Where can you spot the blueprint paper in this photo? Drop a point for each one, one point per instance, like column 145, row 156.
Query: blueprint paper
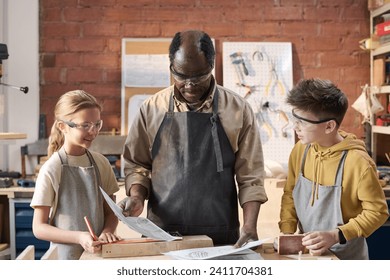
column 139, row 224
column 211, row 252
column 247, row 254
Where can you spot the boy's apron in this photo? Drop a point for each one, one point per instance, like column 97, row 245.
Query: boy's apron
column 193, row 188
column 78, row 196
column 325, row 214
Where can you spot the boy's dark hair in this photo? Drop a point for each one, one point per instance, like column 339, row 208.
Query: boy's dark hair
column 205, row 45
column 320, row 97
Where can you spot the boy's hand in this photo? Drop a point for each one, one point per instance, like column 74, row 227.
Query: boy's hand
column 318, row 242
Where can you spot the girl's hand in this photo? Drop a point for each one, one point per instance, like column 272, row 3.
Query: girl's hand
column 108, row 237
column 89, row 245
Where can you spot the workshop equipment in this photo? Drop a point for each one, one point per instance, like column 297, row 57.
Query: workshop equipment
column 6, row 182
column 24, row 89
column 10, row 174
column 265, row 124
column 4, row 55
column 282, row 115
column 128, row 248
column 239, row 66
column 26, row 183
column 273, row 79
column 250, row 89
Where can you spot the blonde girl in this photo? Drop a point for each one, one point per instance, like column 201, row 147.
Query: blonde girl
column 67, row 187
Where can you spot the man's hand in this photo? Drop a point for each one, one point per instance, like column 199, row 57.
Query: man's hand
column 318, row 242
column 249, row 229
column 247, row 234
column 132, row 206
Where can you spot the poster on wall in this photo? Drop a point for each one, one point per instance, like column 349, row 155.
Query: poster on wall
column 261, row 72
column 145, row 70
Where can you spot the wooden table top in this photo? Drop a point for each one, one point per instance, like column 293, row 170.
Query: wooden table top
column 14, row 192
column 265, row 250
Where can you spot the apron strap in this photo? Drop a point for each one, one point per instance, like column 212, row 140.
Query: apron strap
column 304, row 158
column 98, row 177
column 214, row 132
column 170, row 108
column 340, row 169
column 62, row 155
column 64, row 160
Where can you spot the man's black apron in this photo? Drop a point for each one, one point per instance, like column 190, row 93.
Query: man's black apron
column 193, row 188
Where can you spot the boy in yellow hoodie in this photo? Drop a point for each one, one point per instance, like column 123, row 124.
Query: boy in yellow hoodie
column 332, row 193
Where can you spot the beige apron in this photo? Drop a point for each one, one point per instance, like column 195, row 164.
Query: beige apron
column 78, row 196
column 325, row 213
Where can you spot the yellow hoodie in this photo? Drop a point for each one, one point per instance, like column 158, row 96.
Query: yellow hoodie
column 363, row 203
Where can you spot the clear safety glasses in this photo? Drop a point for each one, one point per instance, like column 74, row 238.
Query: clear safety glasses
column 189, row 80
column 86, row 126
column 303, row 122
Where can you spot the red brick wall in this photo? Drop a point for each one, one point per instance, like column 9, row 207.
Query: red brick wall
column 80, row 41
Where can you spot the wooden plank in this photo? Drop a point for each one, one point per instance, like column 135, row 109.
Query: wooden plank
column 130, row 249
column 3, row 246
column 12, row 135
column 51, row 253
column 27, row 254
column 291, row 244
column 265, row 250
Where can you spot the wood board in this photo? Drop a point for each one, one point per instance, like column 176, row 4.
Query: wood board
column 291, row 244
column 131, row 249
column 12, row 135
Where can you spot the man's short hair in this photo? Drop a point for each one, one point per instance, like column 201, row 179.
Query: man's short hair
column 205, row 45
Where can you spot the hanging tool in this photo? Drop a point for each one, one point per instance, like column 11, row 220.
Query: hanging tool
column 273, row 77
column 4, row 55
column 257, row 55
column 250, row 89
column 262, row 122
column 239, row 66
column 282, row 115
column 267, row 126
column 24, row 89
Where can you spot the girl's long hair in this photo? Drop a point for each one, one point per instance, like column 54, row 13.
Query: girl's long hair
column 68, row 104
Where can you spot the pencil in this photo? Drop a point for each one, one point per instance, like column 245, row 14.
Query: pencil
column 90, row 229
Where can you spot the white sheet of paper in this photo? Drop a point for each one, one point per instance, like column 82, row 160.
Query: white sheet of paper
column 247, row 254
column 139, row 224
column 211, row 252
column 146, row 70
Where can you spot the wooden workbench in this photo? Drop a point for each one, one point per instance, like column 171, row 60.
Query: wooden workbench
column 12, row 135
column 266, row 252
column 7, row 220
column 17, row 192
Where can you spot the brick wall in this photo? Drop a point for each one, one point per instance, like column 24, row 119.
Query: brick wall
column 80, row 41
